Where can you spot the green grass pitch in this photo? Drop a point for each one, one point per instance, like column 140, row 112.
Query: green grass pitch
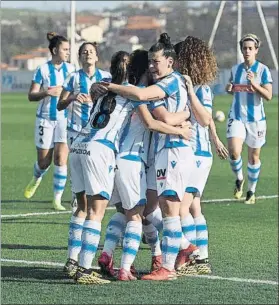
column 243, row 239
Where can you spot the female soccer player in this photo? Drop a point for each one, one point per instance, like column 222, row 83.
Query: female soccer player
column 197, row 60
column 130, row 179
column 250, row 83
column 76, row 96
column 173, row 154
column 50, row 128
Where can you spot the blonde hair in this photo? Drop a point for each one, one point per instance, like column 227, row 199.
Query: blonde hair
column 251, row 37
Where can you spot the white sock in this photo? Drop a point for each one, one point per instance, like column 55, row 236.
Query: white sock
column 38, row 172
column 202, row 236
column 59, row 180
column 184, row 242
column 115, row 230
column 236, row 166
column 74, row 241
column 253, row 176
column 90, row 240
column 131, row 242
column 189, row 228
column 156, row 219
column 152, row 238
column 171, row 241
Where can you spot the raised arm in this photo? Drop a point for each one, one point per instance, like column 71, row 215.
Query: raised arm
column 155, row 125
column 151, row 93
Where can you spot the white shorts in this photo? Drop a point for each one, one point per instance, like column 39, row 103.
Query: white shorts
column 130, row 181
column 252, row 133
column 49, row 132
column 151, row 177
column 199, row 175
column 173, row 169
column 92, row 167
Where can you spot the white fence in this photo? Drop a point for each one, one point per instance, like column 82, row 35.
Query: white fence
column 19, row 81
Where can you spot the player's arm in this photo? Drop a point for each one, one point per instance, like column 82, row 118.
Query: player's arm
column 229, row 86
column 36, row 93
column 151, row 93
column 221, row 150
column 170, row 118
column 155, row 125
column 202, row 116
column 66, row 98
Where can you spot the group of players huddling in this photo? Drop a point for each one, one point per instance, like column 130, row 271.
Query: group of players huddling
column 139, row 138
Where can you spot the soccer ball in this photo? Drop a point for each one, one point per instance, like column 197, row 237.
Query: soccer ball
column 220, row 116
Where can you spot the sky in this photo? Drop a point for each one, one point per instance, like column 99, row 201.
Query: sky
column 80, row 5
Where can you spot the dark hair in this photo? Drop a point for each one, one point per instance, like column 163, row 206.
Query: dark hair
column 119, row 67
column 138, row 66
column 94, row 44
column 164, row 43
column 55, row 40
column 196, row 59
column 250, row 37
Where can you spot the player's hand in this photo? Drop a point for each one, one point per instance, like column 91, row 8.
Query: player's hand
column 251, row 77
column 83, row 98
column 186, row 130
column 54, row 91
column 97, row 90
column 229, row 87
column 221, row 149
column 188, row 83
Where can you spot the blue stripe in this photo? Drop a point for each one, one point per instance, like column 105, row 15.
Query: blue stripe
column 84, row 90
column 202, row 242
column 235, row 162
column 57, row 176
column 201, row 227
column 105, row 195
column 265, row 77
column 89, row 247
column 116, row 224
column 198, row 142
column 250, row 107
column 98, row 75
column 253, row 170
column 133, row 236
column 75, row 226
column 169, row 249
column 192, row 241
column 74, row 243
column 169, row 193
column 207, row 105
column 91, row 231
column 110, row 145
column 203, row 153
column 253, row 179
column 199, row 95
column 132, row 158
column 141, row 202
column 130, row 251
column 53, row 99
column 38, row 77
column 112, row 237
column 188, row 228
column 237, row 94
column 58, row 187
column 172, row 234
column 190, row 189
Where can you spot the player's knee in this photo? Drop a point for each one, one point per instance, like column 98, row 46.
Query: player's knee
column 44, row 163
column 254, row 160
column 234, row 155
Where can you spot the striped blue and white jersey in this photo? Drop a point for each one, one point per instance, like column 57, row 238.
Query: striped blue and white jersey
column 248, row 107
column 47, row 76
column 200, row 136
column 134, row 139
column 176, row 100
column 109, row 135
column 80, row 82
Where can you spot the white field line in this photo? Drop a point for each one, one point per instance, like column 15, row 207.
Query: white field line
column 209, row 277
column 111, row 208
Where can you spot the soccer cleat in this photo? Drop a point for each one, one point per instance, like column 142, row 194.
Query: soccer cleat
column 161, row 274
column 124, row 275
column 238, row 191
column 203, row 266
column 250, row 198
column 88, row 276
column 188, row 268
column 57, row 205
column 133, row 270
column 71, row 267
column 105, row 262
column 32, row 187
column 156, row 262
column 186, row 255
